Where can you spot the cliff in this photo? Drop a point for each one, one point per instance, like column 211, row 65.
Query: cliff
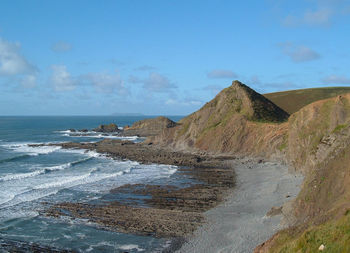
column 315, row 141
column 319, row 147
column 237, row 121
column 149, row 127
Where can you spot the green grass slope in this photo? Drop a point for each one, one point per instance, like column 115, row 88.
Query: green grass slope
column 293, row 100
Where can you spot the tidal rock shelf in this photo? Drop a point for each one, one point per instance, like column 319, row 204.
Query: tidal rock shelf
column 167, row 211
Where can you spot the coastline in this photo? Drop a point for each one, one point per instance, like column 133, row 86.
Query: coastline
column 236, row 221
column 167, row 211
column 240, row 223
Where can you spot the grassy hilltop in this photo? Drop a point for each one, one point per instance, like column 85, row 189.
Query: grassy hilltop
column 293, row 100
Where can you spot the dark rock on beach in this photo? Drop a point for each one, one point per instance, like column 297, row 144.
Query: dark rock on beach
column 168, row 211
column 7, row 245
column 110, row 128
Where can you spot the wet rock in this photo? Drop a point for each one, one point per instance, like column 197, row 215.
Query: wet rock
column 167, row 211
column 8, row 245
column 110, row 128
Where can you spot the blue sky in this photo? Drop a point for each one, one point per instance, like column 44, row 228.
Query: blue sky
column 163, row 56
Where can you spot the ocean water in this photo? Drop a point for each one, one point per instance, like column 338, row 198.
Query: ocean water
column 32, row 177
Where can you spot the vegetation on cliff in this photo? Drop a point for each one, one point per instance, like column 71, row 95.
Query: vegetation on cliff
column 149, row 127
column 293, row 100
column 319, row 146
column 314, row 140
column 237, row 120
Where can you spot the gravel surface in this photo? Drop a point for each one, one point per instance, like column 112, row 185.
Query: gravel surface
column 240, row 223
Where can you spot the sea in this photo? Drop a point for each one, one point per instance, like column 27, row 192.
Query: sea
column 31, row 178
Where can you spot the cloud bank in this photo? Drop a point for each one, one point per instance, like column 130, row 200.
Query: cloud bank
column 221, row 74
column 298, row 53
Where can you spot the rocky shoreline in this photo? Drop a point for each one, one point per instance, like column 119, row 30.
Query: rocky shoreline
column 7, row 245
column 165, row 211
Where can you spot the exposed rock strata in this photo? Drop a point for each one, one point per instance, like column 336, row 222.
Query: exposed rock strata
column 237, row 121
column 149, row 127
column 110, row 128
column 318, row 146
column 170, row 211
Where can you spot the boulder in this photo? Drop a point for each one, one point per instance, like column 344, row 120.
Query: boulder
column 110, row 128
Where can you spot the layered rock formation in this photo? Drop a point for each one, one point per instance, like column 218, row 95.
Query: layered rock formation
column 238, row 120
column 314, row 141
column 318, row 146
column 149, row 127
column 110, row 128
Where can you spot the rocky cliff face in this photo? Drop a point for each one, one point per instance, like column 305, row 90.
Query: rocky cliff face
column 238, row 120
column 315, row 141
column 319, row 147
column 314, row 131
column 149, row 127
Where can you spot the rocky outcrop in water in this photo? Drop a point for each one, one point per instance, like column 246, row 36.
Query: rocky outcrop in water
column 110, row 128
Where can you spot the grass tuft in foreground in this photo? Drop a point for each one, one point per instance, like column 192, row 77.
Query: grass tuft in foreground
column 334, row 235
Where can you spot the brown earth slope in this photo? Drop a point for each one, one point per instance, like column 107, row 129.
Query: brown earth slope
column 319, row 146
column 149, row 127
column 238, row 120
column 314, row 141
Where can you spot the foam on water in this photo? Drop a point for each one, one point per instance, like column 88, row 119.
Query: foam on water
column 31, row 150
column 64, row 181
column 34, row 177
column 18, row 176
column 100, row 136
column 28, row 196
column 131, row 247
column 97, row 135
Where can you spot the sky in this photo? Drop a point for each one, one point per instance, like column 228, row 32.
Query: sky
column 163, row 57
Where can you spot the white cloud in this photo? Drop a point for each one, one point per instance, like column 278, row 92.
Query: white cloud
column 221, row 74
column 255, row 80
column 61, row 79
column 107, row 83
column 155, row 82
column 335, row 79
column 319, row 17
column 185, row 102
column 321, row 13
column 299, row 53
column 12, row 62
column 214, row 89
column 134, row 79
column 29, row 81
column 144, row 68
column 61, row 47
